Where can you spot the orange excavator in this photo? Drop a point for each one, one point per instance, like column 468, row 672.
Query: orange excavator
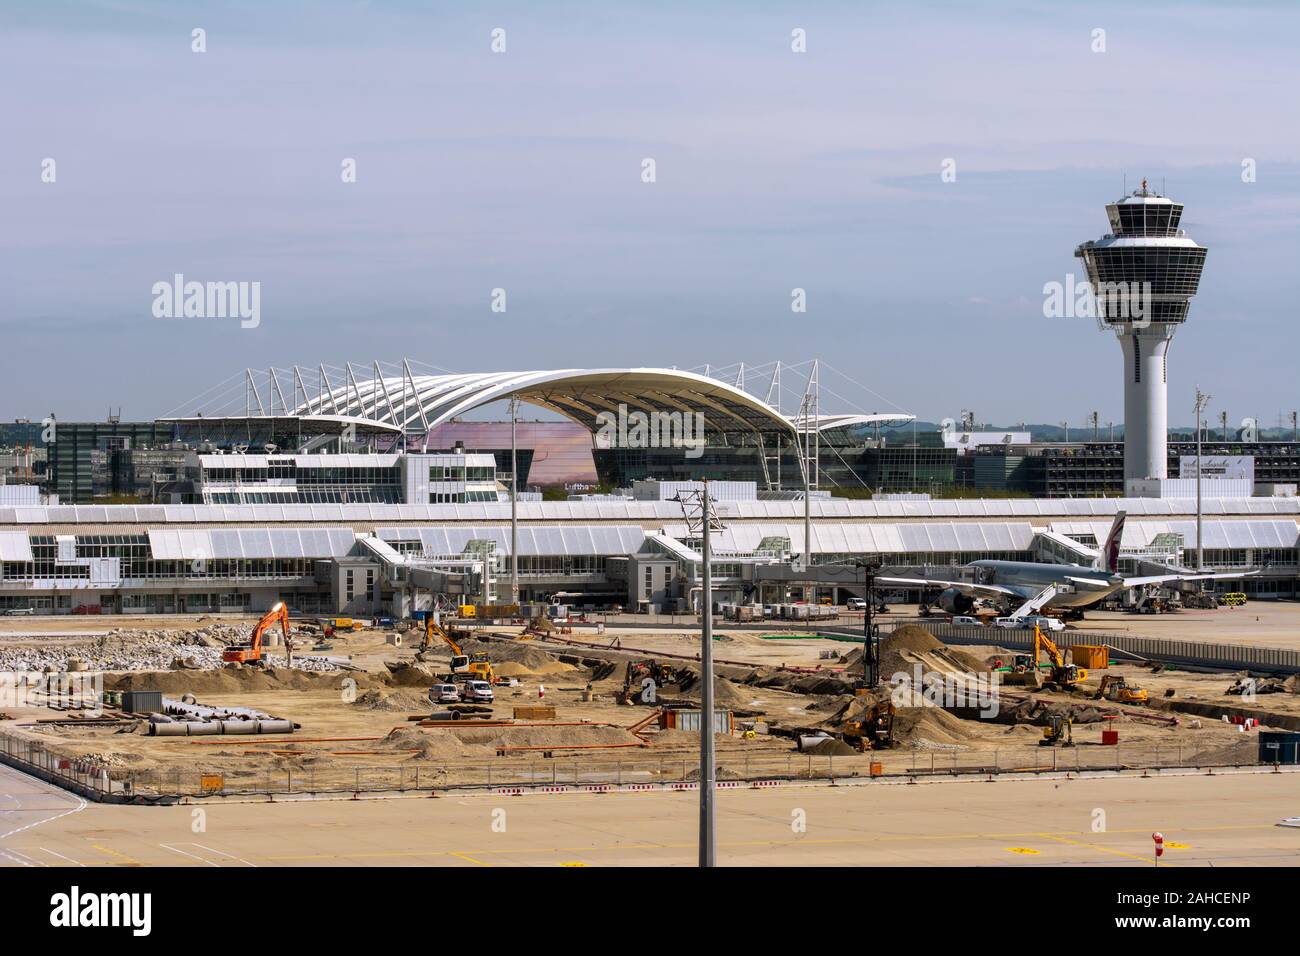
column 251, row 653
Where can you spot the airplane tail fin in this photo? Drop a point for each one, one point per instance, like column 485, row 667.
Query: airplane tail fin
column 1109, row 557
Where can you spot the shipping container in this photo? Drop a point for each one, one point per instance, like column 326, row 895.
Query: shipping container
column 689, row 720
column 142, row 701
column 1090, row 656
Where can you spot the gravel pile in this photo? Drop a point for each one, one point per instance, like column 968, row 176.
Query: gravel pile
column 159, row 650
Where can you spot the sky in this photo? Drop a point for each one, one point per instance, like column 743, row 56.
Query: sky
column 522, row 170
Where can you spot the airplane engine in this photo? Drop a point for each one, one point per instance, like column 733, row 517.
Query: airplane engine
column 954, row 602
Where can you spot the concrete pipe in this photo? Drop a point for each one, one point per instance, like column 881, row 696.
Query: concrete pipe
column 168, row 730
column 239, row 726
column 203, row 728
column 275, row 726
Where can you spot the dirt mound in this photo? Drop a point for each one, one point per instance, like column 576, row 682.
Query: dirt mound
column 725, row 693
column 227, row 681
column 910, row 637
column 427, row 745
column 406, row 702
column 830, row 747
column 930, row 725
column 547, row 668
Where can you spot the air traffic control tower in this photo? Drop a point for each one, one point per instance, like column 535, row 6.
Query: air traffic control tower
column 1143, row 275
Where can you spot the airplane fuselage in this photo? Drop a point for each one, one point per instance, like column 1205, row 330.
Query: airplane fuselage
column 1028, row 578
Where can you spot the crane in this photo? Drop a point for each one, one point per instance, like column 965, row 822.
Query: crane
column 477, row 667
column 251, row 653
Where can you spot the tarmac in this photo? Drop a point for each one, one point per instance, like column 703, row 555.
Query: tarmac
column 1224, row 819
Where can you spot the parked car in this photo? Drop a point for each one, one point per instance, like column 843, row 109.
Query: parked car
column 966, row 620
column 477, row 692
column 19, row 611
column 444, row 694
column 1028, row 621
column 856, row 604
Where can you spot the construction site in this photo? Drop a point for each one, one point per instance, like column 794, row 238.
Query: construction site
column 167, row 711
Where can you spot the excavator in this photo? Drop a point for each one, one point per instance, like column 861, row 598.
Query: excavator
column 251, row 653
column 1061, row 675
column 463, row 666
column 1116, row 688
column 1058, row 732
column 873, row 729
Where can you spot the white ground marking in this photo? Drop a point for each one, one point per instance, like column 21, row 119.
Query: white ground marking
column 192, row 856
column 223, row 853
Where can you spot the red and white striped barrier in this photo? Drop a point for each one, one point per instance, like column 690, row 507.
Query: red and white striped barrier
column 684, row 786
column 510, row 791
column 553, row 789
column 767, row 783
column 640, row 786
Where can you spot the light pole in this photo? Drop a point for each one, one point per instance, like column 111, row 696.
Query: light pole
column 514, row 504
column 1201, row 401
column 707, row 852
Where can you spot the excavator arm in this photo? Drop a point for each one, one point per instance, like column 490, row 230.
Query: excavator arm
column 432, row 627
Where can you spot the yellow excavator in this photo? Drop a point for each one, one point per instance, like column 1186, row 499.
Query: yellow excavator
column 873, row 729
column 251, row 653
column 1058, row 732
column 463, row 666
column 1116, row 688
column 1061, row 675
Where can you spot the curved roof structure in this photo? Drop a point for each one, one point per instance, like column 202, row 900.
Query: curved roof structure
column 424, row 401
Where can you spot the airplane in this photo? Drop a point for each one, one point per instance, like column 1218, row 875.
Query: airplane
column 1026, row 587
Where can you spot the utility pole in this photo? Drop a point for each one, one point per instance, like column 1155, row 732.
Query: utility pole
column 1096, row 423
column 870, row 649
column 1201, row 401
column 708, row 856
column 514, row 503
column 1066, row 426
column 1223, row 420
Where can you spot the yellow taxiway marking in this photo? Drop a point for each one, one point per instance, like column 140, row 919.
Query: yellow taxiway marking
column 1100, row 849
column 466, row 857
column 130, row 861
column 1179, row 846
column 1023, row 849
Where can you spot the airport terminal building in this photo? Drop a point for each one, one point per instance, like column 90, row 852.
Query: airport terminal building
column 346, row 508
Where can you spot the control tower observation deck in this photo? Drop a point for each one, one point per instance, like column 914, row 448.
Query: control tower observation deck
column 1144, row 273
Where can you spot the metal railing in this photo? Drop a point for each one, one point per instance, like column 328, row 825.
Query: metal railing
column 564, row 771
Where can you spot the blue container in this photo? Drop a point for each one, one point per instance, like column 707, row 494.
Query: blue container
column 1279, row 746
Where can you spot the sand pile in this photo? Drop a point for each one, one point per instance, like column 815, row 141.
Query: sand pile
column 230, row 680
column 725, row 693
column 922, row 726
column 402, row 701
column 429, row 745
column 519, row 669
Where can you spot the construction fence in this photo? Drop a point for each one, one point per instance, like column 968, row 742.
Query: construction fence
column 564, row 772
column 1230, row 657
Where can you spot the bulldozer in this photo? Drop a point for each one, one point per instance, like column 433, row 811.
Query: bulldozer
column 251, row 653
column 1119, row 690
column 1058, row 732
column 873, row 729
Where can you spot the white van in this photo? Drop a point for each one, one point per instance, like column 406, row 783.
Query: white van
column 1028, row 622
column 444, row 694
column 477, row 692
column 966, row 620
